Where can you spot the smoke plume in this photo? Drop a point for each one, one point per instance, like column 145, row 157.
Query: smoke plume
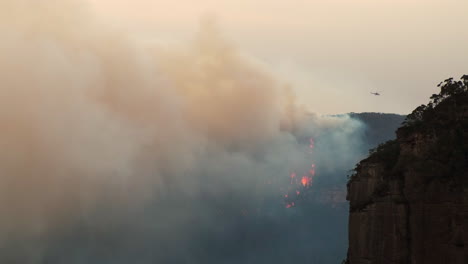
column 116, row 149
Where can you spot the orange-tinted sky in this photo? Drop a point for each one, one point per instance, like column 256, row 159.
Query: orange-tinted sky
column 334, row 52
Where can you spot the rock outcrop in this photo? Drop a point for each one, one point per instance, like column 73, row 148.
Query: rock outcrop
column 409, row 198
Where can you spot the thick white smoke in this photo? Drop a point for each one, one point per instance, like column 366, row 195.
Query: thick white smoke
column 97, row 124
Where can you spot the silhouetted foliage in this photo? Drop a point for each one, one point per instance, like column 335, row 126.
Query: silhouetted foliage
column 387, row 151
column 444, row 122
column 450, row 92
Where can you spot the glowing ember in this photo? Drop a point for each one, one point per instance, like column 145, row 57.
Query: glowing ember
column 293, row 175
column 312, row 171
column 311, row 143
column 306, row 181
column 296, row 182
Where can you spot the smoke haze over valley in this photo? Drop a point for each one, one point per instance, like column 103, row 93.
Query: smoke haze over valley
column 116, row 148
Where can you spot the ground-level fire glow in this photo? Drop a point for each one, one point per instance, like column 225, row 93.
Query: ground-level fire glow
column 312, row 170
column 303, row 182
column 306, row 181
column 311, row 144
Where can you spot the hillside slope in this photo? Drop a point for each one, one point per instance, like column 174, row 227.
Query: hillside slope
column 380, row 127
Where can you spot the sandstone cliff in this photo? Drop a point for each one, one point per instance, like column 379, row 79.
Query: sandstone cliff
column 409, row 198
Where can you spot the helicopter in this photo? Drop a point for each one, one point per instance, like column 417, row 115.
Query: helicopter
column 376, row 93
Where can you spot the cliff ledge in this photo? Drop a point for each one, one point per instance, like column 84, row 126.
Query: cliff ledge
column 409, row 198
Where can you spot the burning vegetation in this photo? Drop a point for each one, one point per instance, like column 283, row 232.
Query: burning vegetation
column 300, row 185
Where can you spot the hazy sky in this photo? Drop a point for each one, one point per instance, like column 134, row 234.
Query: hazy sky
column 333, row 52
column 111, row 144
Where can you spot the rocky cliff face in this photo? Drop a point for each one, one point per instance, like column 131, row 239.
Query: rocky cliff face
column 409, row 199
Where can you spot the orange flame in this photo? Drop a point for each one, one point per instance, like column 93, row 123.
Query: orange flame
column 306, row 181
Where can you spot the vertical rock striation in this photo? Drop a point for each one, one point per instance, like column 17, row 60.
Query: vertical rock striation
column 409, row 198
